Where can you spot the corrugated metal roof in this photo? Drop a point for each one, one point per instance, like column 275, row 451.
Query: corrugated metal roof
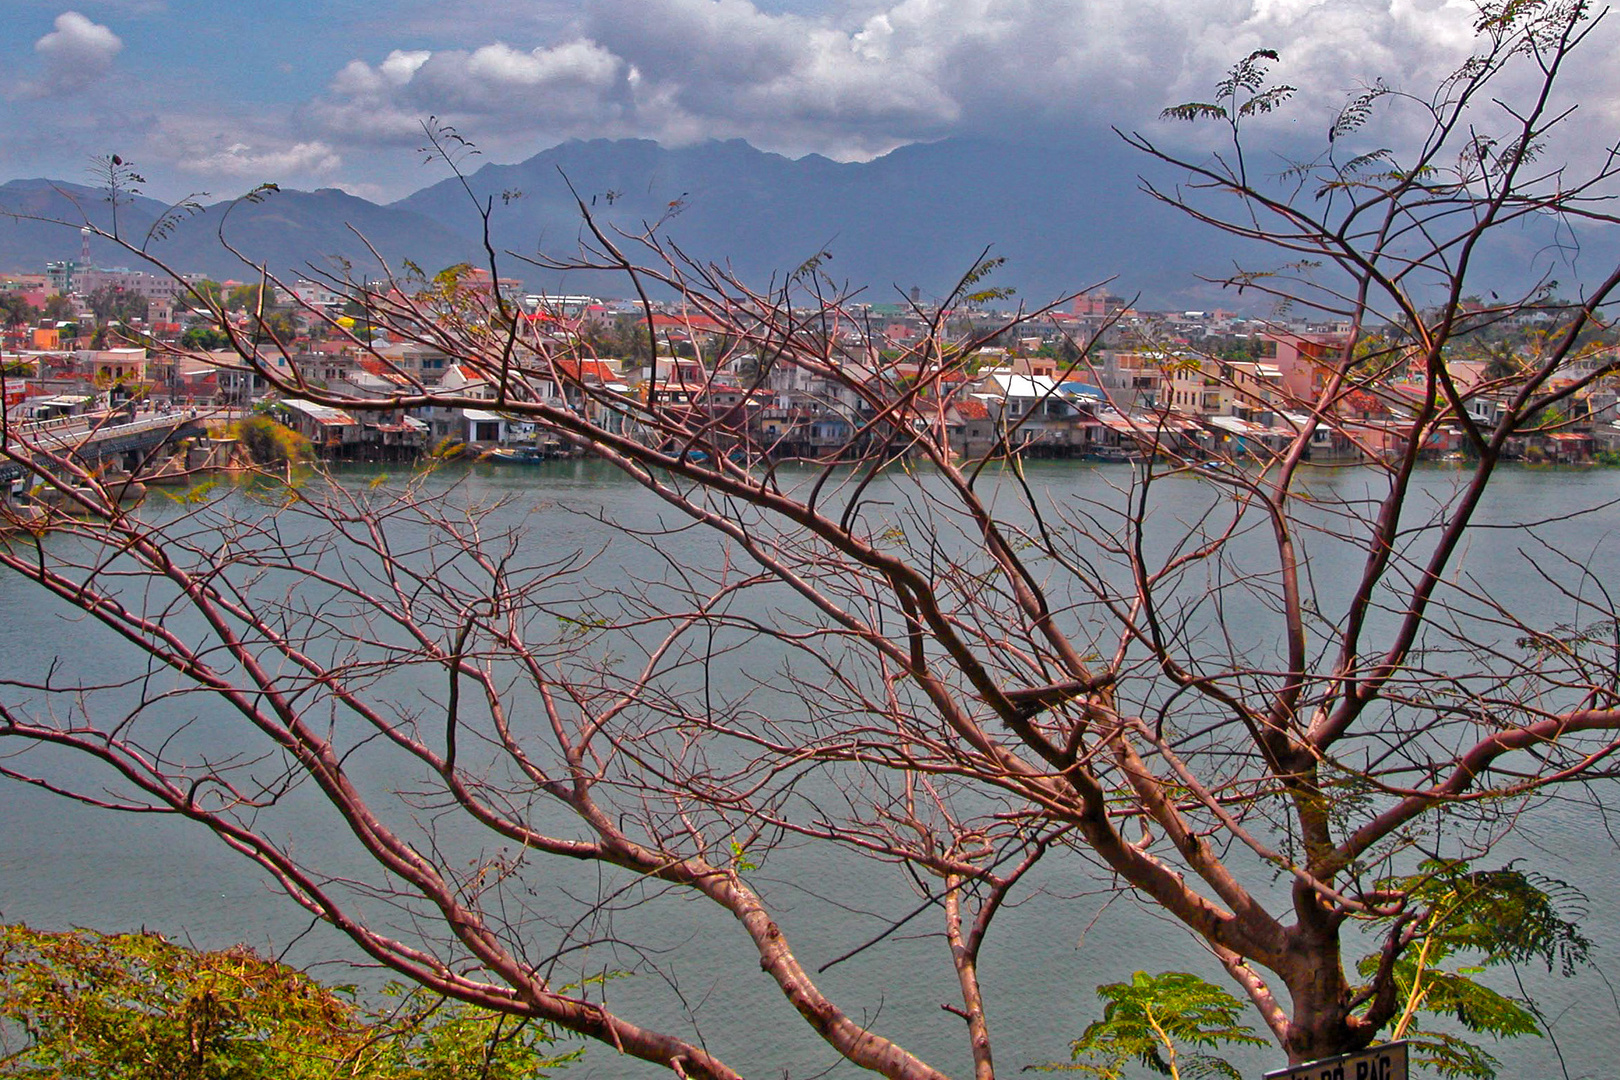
column 321, row 414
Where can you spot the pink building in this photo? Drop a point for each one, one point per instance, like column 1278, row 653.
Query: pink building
column 1305, row 363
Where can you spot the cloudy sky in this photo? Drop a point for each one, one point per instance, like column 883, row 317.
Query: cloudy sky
column 217, row 97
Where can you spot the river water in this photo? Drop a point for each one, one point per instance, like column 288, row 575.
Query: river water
column 64, row 865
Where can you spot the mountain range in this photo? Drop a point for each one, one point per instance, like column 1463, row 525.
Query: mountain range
column 1065, row 217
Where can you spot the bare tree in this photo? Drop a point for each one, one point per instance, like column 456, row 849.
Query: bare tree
column 966, row 680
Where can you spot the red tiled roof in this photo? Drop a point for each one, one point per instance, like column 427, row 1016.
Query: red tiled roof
column 586, row 370
column 1365, row 403
column 700, row 323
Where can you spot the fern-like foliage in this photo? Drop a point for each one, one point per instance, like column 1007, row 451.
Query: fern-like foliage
column 1528, row 26
column 171, row 218
column 1165, row 1023
column 1450, row 1056
column 261, row 193
column 1266, row 101
column 445, row 143
column 1506, row 916
column 982, row 270
column 1242, row 94
column 811, row 267
column 1248, row 74
column 1357, row 111
column 1194, row 110
column 1471, row 920
column 119, row 183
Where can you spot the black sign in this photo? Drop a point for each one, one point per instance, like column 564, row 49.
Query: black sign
column 1387, row 1062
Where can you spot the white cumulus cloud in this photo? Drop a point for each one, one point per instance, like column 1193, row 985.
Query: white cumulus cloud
column 850, row 79
column 575, row 83
column 241, row 160
column 582, row 62
column 73, row 56
column 359, row 78
column 859, row 77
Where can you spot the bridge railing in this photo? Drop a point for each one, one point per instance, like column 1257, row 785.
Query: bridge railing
column 66, row 431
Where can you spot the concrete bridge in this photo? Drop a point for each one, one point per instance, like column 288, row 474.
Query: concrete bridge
column 93, row 440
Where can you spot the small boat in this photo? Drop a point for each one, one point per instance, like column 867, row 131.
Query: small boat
column 516, row 455
column 1116, row 454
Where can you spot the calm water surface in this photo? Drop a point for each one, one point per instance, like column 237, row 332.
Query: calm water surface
column 62, row 865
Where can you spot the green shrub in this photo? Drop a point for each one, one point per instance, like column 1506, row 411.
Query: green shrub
column 270, row 443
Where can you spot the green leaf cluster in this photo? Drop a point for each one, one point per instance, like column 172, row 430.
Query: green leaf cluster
column 1151, row 1020
column 1471, row 920
column 982, row 270
column 206, row 338
column 1458, row 922
column 270, row 443
column 15, row 311
column 137, row 1007
column 1242, row 94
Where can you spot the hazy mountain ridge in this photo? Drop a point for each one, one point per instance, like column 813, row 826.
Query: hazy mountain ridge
column 1065, row 216
column 288, row 231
